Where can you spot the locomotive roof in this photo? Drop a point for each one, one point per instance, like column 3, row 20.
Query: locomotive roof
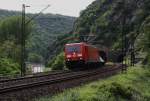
column 77, row 43
column 81, row 43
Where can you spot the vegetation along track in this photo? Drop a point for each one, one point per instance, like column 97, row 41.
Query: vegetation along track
column 54, row 83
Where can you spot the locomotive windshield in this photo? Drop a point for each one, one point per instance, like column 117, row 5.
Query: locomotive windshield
column 71, row 49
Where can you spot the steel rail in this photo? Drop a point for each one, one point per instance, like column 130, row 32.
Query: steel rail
column 34, row 75
column 60, row 78
column 23, row 80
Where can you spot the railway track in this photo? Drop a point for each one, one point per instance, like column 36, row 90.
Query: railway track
column 56, row 81
column 29, row 79
column 8, row 77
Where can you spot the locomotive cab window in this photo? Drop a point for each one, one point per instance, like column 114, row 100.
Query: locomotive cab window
column 74, row 48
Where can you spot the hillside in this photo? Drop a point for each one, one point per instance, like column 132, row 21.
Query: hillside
column 107, row 19
column 46, row 30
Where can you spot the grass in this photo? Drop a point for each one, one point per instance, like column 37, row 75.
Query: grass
column 133, row 86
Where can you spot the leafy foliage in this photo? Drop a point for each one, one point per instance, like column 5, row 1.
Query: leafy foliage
column 9, row 49
column 58, row 63
column 46, row 30
column 144, row 39
column 8, row 66
column 104, row 18
column 10, row 42
column 35, row 58
column 10, row 29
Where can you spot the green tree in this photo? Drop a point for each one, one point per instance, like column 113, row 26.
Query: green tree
column 10, row 42
column 35, row 58
column 10, row 50
column 8, row 66
column 58, row 63
column 145, row 38
column 10, row 29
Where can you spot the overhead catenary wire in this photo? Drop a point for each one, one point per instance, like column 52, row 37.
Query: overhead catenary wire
column 37, row 14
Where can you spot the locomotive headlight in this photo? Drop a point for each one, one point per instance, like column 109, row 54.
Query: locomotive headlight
column 79, row 55
column 68, row 59
column 80, row 58
column 68, row 56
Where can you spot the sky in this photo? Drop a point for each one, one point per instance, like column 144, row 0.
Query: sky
column 64, row 7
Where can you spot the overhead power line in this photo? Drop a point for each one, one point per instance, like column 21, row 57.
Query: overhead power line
column 38, row 14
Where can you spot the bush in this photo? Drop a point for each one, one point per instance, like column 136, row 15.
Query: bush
column 7, row 66
column 36, row 58
column 121, row 91
column 50, row 62
column 58, row 63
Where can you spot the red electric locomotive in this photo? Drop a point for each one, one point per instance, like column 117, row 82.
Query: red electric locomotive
column 82, row 55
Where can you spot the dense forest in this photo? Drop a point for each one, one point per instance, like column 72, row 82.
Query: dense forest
column 41, row 33
column 105, row 17
column 109, row 19
column 47, row 27
column 10, row 42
